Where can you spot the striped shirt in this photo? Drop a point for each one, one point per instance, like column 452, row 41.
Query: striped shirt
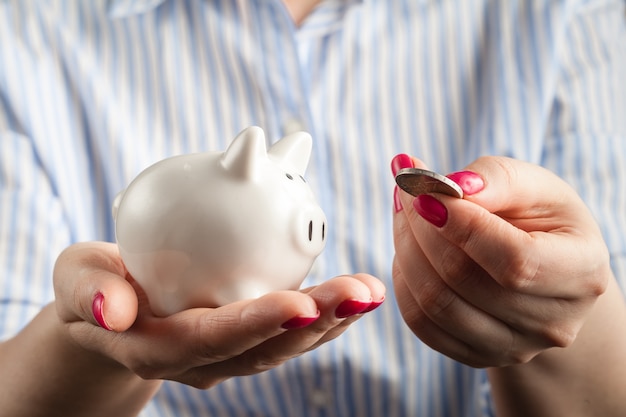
column 94, row 91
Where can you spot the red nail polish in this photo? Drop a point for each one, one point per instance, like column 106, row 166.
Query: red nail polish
column 431, row 209
column 374, row 305
column 351, row 307
column 401, row 161
column 97, row 308
column 397, row 204
column 299, row 322
column 470, row 182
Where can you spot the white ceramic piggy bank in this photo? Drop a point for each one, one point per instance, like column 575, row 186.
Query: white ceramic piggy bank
column 207, row 229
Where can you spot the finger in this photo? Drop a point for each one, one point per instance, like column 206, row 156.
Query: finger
column 428, row 331
column 218, row 334
column 532, row 262
column 339, row 300
column 402, row 161
column 351, row 299
column 443, row 319
column 560, row 228
column 347, row 285
column 531, row 315
column 331, row 302
column 167, row 348
column 522, row 192
column 331, row 298
column 90, row 286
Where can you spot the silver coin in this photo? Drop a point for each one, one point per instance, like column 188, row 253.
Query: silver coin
column 417, row 181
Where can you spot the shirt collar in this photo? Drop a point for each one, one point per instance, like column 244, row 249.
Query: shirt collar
column 125, row 8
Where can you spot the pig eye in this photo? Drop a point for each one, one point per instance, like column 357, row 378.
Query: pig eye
column 302, row 178
column 289, row 176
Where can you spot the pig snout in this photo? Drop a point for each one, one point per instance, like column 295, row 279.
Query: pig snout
column 311, row 231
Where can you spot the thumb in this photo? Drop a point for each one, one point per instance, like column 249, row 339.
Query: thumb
column 90, row 285
column 526, row 195
column 539, row 230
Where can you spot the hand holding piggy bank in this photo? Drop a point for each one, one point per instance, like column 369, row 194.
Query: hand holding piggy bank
column 207, row 229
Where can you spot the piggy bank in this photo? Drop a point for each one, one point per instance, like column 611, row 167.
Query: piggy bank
column 207, row 229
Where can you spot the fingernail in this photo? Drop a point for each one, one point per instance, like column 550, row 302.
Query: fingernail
column 299, row 322
column 431, row 209
column 469, row 181
column 397, row 204
column 401, row 161
column 351, row 307
column 97, row 308
column 374, row 305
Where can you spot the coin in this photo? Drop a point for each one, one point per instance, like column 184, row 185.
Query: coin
column 417, row 181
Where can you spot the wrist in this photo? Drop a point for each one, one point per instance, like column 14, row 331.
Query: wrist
column 572, row 380
column 46, row 362
column 110, row 387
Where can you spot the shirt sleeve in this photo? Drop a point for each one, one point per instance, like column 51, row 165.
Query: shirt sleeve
column 586, row 131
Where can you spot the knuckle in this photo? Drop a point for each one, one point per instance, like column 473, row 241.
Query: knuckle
column 415, row 318
column 560, row 336
column 597, row 287
column 519, row 351
column 519, row 357
column 211, row 348
column 202, row 383
column 436, row 299
column 504, row 165
column 453, row 264
column 473, row 358
column 146, row 372
column 519, row 270
column 469, row 237
column 458, row 268
column 599, row 276
column 198, row 378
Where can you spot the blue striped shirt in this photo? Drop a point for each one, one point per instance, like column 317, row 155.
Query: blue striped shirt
column 94, row 91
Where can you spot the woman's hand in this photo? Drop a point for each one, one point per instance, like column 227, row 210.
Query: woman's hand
column 198, row 347
column 509, row 271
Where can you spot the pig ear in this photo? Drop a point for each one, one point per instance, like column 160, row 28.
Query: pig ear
column 293, row 149
column 246, row 152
